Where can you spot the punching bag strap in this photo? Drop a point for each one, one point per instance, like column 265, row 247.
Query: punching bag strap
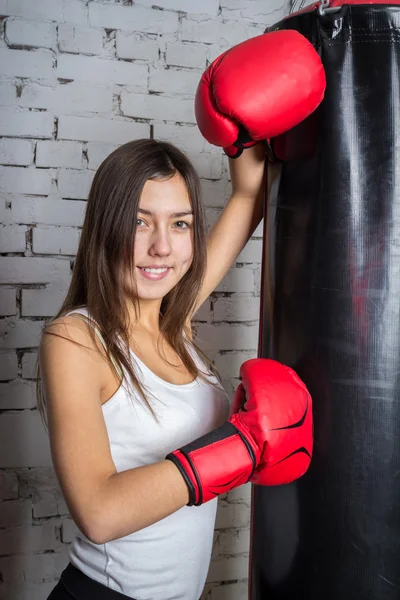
column 323, row 8
column 293, row 6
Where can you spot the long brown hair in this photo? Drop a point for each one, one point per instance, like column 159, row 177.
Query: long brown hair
column 106, row 254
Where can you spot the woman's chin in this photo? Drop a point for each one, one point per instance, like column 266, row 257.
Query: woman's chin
column 159, row 294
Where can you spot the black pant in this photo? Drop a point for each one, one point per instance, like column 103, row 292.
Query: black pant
column 75, row 585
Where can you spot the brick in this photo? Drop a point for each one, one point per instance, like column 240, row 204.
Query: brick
column 100, row 130
column 52, row 211
column 236, row 308
column 15, row 513
column 41, row 484
column 240, row 494
column 8, row 486
column 20, row 334
column 12, row 238
column 174, row 81
column 208, row 31
column 59, row 154
column 73, row 11
column 206, row 7
column 45, row 302
column 186, row 55
column 259, row 232
column 229, row 386
column 62, row 508
column 25, row 63
column 5, row 208
column 18, row 568
column 29, row 364
column 45, row 506
column 68, row 531
column 232, row 516
column 17, row 394
column 8, row 302
column 233, row 542
column 74, row 184
column 26, row 124
column 16, row 269
column 36, row 34
column 157, row 107
column 251, row 253
column 11, row 569
column 237, row 280
column 8, row 93
column 203, row 313
column 46, row 566
column 228, row 364
column 16, row 152
column 39, row 480
column 8, row 365
column 55, row 240
column 133, row 18
column 216, row 193
column 67, row 98
column 70, row 11
column 80, row 40
column 25, row 590
column 136, row 46
column 25, row 445
column 228, row 569
column 233, row 591
column 40, row 9
column 99, row 70
column 228, row 337
column 17, row 540
column 257, row 11
column 207, row 165
column 24, row 180
column 96, row 153
column 187, row 137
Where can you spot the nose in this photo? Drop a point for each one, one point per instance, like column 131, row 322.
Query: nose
column 160, row 244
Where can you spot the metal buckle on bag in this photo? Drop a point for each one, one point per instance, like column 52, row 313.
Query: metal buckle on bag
column 323, row 8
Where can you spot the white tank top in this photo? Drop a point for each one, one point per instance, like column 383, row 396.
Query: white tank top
column 170, row 559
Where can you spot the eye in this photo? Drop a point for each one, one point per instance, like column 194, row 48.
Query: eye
column 138, row 222
column 182, row 225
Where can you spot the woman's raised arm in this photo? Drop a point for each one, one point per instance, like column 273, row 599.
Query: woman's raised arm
column 240, row 217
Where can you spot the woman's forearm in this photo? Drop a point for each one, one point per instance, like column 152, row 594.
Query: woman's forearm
column 248, row 173
column 131, row 500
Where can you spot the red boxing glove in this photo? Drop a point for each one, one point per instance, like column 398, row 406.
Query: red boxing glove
column 258, row 90
column 247, row 447
column 287, row 422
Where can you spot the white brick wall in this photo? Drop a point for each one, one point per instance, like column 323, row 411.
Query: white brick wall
column 77, row 79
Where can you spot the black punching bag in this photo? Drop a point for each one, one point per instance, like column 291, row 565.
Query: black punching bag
column 331, row 310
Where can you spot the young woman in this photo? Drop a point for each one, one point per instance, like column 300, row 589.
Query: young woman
column 123, row 383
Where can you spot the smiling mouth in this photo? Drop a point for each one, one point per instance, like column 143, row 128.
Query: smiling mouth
column 156, row 271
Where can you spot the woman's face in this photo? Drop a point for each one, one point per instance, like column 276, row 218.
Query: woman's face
column 164, row 237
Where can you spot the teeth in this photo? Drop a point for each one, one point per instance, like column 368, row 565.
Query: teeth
column 154, row 270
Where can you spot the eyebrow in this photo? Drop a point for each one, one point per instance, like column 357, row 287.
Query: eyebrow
column 174, row 215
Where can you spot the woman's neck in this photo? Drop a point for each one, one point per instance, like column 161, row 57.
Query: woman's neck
column 146, row 319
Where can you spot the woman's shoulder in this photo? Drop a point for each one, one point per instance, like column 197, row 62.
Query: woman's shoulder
column 72, row 332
